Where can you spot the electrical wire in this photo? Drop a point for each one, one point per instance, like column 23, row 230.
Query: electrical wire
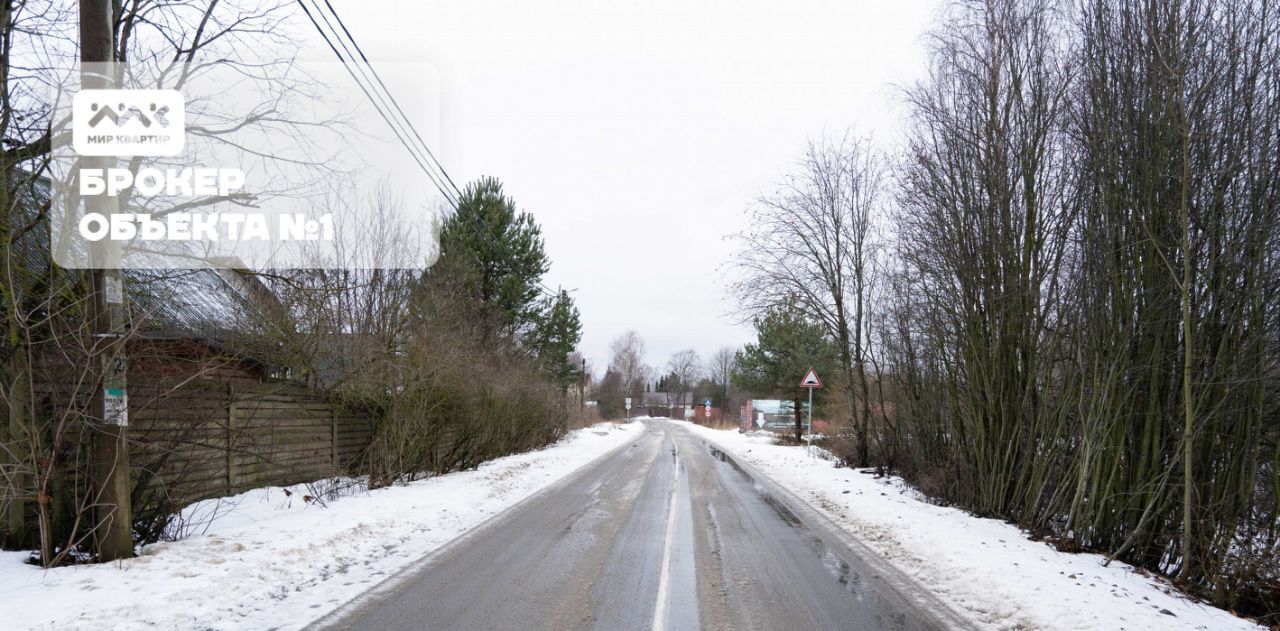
column 388, row 108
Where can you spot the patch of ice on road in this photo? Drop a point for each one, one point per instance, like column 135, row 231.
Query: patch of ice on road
column 271, row 560
column 984, row 567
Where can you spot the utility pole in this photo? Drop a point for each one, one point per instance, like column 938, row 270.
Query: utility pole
column 108, row 409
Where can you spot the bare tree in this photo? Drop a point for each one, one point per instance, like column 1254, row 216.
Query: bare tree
column 1179, row 175
column 1080, row 327
column 683, row 372
column 812, row 247
column 720, row 368
column 984, row 223
column 628, row 363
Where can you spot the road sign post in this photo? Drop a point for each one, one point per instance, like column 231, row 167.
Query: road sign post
column 808, row 437
column 810, row 382
column 628, row 402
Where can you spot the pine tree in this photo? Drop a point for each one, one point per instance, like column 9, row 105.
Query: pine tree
column 555, row 335
column 496, row 254
column 787, row 345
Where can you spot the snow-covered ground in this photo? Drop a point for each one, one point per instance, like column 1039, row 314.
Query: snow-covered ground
column 273, row 561
column 985, row 568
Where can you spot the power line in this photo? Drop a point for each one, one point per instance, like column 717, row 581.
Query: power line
column 378, row 77
column 400, row 125
column 481, row 230
column 378, row 103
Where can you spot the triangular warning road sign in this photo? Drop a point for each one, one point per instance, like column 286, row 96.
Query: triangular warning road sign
column 811, row 380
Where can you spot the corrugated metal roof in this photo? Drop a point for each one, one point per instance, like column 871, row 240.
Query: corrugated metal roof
column 170, row 302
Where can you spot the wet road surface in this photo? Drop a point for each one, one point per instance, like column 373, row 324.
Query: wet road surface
column 664, row 533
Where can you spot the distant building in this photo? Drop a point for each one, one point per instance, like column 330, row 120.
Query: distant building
column 773, row 415
column 663, row 404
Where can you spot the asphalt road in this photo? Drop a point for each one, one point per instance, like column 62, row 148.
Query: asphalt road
column 663, row 533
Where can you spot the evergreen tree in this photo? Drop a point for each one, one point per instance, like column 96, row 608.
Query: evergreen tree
column 555, row 334
column 787, row 345
column 496, row 254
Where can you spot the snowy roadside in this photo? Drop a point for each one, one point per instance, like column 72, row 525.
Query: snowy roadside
column 985, row 568
column 272, row 561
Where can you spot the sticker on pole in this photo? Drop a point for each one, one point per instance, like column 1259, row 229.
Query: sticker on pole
column 115, row 406
column 811, row 380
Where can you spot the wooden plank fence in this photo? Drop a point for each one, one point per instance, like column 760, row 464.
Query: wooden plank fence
column 228, row 438
column 203, row 439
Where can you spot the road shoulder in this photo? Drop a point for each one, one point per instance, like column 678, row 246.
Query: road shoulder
column 986, row 571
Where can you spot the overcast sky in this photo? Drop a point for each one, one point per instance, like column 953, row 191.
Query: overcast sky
column 639, row 133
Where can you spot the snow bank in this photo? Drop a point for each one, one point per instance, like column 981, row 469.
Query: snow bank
column 984, row 567
column 273, row 561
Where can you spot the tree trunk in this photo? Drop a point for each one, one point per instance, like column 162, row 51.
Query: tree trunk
column 846, row 366
column 864, row 458
column 1188, row 408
